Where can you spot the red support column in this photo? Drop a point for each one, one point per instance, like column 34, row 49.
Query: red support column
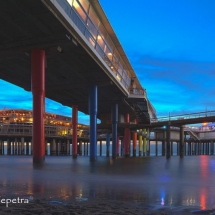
column 74, row 132
column 38, row 91
column 127, row 118
column 127, row 137
column 134, row 143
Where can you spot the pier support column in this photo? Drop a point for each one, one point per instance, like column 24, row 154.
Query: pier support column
column 193, row 148
column 148, row 143
column 144, row 142
column 8, row 147
column 46, row 147
column 11, row 148
column 127, row 137
column 100, row 148
column 163, row 144
column 117, row 147
column 171, row 148
column 181, row 144
column 53, row 147
column 134, row 143
column 0, row 147
column 122, row 146
column 203, row 148
column 67, row 147
column 168, row 148
column 163, row 147
column 74, row 131
column 177, row 148
column 38, row 91
column 156, row 144
column 93, row 103
column 20, row 148
column 140, row 143
column 57, row 147
column 114, row 119
column 22, row 145
column 107, row 144
column 80, row 147
column 212, row 147
column 14, row 146
column 208, row 148
column 27, row 148
column 199, row 148
column 84, row 148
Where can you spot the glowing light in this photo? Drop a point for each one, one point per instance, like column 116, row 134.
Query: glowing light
column 203, row 198
column 204, row 123
column 75, row 4
column 109, row 54
column 162, row 201
column 70, row 2
column 118, row 77
column 99, row 37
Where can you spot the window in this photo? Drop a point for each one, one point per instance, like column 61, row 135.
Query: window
column 92, row 28
column 94, row 17
column 79, row 10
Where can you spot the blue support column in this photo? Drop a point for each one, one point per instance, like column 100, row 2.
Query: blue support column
column 93, row 120
column 108, row 145
column 114, row 119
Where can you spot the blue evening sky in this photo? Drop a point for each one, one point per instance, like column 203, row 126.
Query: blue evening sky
column 171, row 46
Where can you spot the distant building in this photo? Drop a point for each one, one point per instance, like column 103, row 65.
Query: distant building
column 16, row 132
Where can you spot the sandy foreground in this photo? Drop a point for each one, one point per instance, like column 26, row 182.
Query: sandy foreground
column 43, row 207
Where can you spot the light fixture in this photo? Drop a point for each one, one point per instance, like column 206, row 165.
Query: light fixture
column 75, row 42
column 60, row 49
column 68, row 37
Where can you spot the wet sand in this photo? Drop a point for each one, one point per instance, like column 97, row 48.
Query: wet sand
column 94, row 207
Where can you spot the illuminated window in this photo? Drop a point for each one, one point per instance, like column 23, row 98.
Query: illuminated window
column 118, row 77
column 70, row 2
column 115, row 62
column 92, row 28
column 94, row 17
column 100, row 41
column 85, row 4
column 80, row 10
column 103, row 32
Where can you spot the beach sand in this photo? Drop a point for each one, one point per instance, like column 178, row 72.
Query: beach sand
column 95, row 207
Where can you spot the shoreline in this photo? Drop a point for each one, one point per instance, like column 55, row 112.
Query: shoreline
column 95, row 207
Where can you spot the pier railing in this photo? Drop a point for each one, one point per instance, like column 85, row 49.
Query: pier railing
column 185, row 116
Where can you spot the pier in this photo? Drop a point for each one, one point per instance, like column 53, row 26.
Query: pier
column 67, row 51
column 16, row 136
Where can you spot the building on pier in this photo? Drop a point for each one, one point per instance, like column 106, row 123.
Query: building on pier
column 16, row 132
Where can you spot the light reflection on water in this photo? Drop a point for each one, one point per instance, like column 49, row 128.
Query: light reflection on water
column 153, row 181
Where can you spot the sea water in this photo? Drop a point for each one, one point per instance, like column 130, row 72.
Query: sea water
column 152, row 181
